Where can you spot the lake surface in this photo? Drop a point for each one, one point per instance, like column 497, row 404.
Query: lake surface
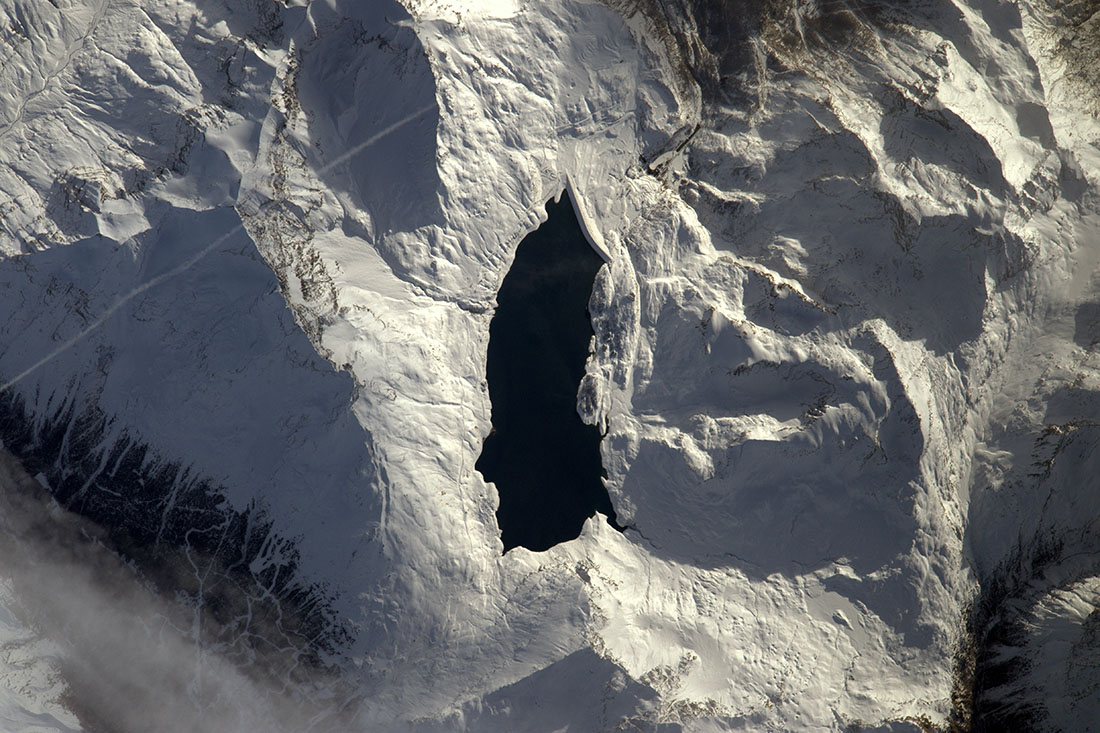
column 544, row 461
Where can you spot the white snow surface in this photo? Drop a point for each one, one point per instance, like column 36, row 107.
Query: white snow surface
column 829, row 339
column 31, row 685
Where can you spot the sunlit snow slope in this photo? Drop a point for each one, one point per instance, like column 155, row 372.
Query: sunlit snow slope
column 846, row 358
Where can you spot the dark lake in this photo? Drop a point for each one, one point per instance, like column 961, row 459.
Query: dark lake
column 544, row 461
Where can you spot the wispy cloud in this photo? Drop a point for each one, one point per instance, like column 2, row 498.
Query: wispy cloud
column 134, row 660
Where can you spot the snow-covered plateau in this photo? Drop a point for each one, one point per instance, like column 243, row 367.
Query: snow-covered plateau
column 846, row 364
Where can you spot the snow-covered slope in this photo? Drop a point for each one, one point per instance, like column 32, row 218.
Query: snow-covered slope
column 845, row 347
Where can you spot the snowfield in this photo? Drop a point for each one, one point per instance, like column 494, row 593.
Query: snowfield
column 846, row 355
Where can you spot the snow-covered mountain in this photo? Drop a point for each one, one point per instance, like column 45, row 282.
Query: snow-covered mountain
column 846, row 362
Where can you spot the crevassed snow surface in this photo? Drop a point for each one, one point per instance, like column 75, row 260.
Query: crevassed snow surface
column 845, row 354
